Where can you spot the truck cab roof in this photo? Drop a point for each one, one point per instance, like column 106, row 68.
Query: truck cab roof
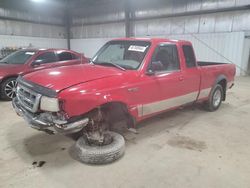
column 152, row 40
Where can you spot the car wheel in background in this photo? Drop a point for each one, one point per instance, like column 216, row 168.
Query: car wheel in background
column 8, row 89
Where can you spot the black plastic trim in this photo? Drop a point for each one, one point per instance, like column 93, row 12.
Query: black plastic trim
column 37, row 88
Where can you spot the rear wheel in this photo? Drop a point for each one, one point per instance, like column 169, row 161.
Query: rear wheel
column 215, row 98
column 8, row 89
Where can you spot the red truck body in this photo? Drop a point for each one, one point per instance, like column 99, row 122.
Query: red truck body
column 82, row 88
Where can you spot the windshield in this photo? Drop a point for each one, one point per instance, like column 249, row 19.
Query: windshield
column 125, row 54
column 18, row 57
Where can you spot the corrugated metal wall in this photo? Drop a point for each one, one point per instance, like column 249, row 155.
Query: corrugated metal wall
column 20, row 29
column 219, row 23
column 207, row 23
column 88, row 46
column 50, row 26
column 17, row 28
column 38, row 42
column 100, row 30
column 165, row 17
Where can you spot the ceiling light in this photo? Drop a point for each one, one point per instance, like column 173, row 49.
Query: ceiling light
column 38, row 1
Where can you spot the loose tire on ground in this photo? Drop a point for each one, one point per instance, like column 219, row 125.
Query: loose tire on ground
column 7, row 83
column 99, row 154
column 211, row 105
column 75, row 136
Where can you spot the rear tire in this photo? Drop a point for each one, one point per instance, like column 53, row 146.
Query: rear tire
column 8, row 89
column 215, row 98
column 93, row 154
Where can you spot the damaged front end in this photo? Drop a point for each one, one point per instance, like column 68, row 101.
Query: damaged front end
column 48, row 122
column 39, row 107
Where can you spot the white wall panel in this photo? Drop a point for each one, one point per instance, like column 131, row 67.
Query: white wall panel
column 100, row 30
column 141, row 28
column 180, row 6
column 223, row 22
column 178, row 25
column 100, row 18
column 242, row 2
column 246, row 55
column 88, row 46
column 20, row 41
column 209, row 4
column 236, row 21
column 16, row 28
column 229, row 45
column 226, row 3
column 241, row 21
column 207, row 23
column 158, row 27
column 192, row 24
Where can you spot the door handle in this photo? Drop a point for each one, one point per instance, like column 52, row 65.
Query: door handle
column 181, row 78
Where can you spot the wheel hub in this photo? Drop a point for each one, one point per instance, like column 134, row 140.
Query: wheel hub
column 99, row 139
column 217, row 98
column 10, row 89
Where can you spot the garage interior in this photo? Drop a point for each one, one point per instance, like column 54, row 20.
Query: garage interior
column 187, row 147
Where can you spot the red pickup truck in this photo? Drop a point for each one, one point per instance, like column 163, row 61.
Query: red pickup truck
column 30, row 60
column 127, row 80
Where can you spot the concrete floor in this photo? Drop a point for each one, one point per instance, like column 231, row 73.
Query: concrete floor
column 183, row 148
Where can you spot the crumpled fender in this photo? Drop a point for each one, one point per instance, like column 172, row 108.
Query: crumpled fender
column 80, row 99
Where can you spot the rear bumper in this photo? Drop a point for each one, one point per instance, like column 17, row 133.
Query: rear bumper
column 52, row 126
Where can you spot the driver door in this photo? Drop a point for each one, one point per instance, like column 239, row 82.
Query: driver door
column 163, row 88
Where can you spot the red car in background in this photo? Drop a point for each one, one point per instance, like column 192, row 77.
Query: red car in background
column 30, row 60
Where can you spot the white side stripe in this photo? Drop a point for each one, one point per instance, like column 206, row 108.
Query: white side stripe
column 158, row 106
column 204, row 93
column 168, row 103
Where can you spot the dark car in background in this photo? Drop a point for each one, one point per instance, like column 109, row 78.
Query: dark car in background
column 30, row 60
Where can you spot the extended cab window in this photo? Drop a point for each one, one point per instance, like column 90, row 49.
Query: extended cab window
column 64, row 56
column 47, row 57
column 189, row 56
column 165, row 58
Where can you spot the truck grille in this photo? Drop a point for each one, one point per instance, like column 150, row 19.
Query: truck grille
column 28, row 99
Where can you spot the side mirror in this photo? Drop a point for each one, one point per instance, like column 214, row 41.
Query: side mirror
column 154, row 67
column 36, row 63
column 157, row 66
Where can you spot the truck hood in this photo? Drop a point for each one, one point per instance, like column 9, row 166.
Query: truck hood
column 61, row 78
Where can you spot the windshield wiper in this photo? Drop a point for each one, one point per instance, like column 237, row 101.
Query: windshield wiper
column 108, row 63
column 4, row 62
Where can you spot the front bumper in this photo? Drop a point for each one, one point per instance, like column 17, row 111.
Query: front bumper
column 49, row 125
